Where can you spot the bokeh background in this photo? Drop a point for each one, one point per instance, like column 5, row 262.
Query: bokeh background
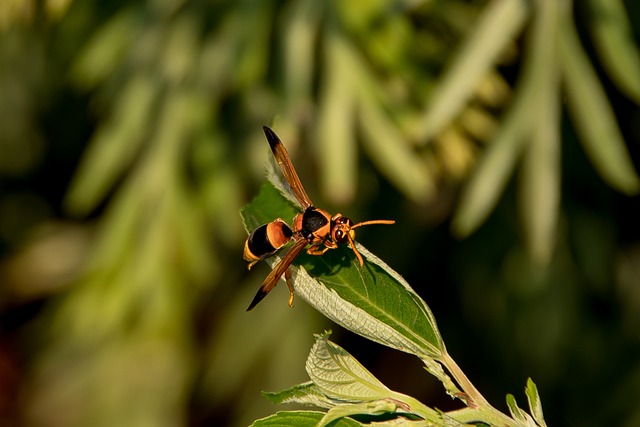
column 503, row 136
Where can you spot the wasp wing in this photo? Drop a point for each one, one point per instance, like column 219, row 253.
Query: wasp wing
column 272, row 279
column 289, row 172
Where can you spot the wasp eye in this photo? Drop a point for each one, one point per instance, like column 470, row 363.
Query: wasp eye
column 339, row 235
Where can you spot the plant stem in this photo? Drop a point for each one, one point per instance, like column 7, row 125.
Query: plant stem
column 476, row 401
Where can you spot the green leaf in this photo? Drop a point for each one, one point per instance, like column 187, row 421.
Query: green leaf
column 531, row 125
column 592, row 114
column 496, row 165
column 266, row 207
column 304, row 394
column 378, row 407
column 435, row 369
column 342, row 384
column 481, row 193
column 341, row 376
column 383, row 141
column 104, row 52
column 335, row 130
column 300, row 32
column 500, row 24
column 516, row 413
column 373, row 300
column 540, row 179
column 114, row 147
column 535, row 406
column 613, row 39
column 390, row 151
column 301, row 419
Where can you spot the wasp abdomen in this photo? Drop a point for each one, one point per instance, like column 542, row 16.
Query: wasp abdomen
column 265, row 240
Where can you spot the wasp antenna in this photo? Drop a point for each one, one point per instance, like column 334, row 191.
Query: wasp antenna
column 373, row 221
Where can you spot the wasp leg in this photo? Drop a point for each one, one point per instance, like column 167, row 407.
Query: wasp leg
column 330, row 244
column 287, row 278
column 315, row 250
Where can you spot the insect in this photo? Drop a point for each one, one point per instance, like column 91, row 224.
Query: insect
column 313, row 226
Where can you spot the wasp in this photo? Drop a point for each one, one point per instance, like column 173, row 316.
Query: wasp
column 313, row 227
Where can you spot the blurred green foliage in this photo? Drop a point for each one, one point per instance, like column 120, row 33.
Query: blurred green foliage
column 131, row 138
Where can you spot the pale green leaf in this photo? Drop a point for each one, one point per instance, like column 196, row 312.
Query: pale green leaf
column 382, row 139
column 253, row 59
column 535, row 406
column 613, row 39
column 592, row 115
column 341, row 376
column 104, row 52
column 525, row 123
column 540, row 184
column 377, row 407
column 300, row 28
column 516, row 412
column 389, row 149
column 481, row 193
column 499, row 25
column 113, row 148
column 436, row 369
column 335, row 133
column 301, row 419
column 304, row 394
column 180, row 47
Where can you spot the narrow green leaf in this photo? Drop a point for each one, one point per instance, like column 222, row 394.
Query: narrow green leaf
column 304, row 394
column 377, row 407
column 540, row 195
column 592, row 114
column 499, row 25
column 436, row 369
column 481, row 193
column 113, row 148
column 517, row 413
column 301, row 419
column 373, row 301
column 335, row 132
column 253, row 55
column 104, row 52
column 613, row 39
column 382, row 140
column 180, row 48
column 300, row 32
column 522, row 120
column 540, row 184
column 535, row 406
column 390, row 151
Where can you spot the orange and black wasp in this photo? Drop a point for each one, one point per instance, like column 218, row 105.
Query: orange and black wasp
column 313, row 226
